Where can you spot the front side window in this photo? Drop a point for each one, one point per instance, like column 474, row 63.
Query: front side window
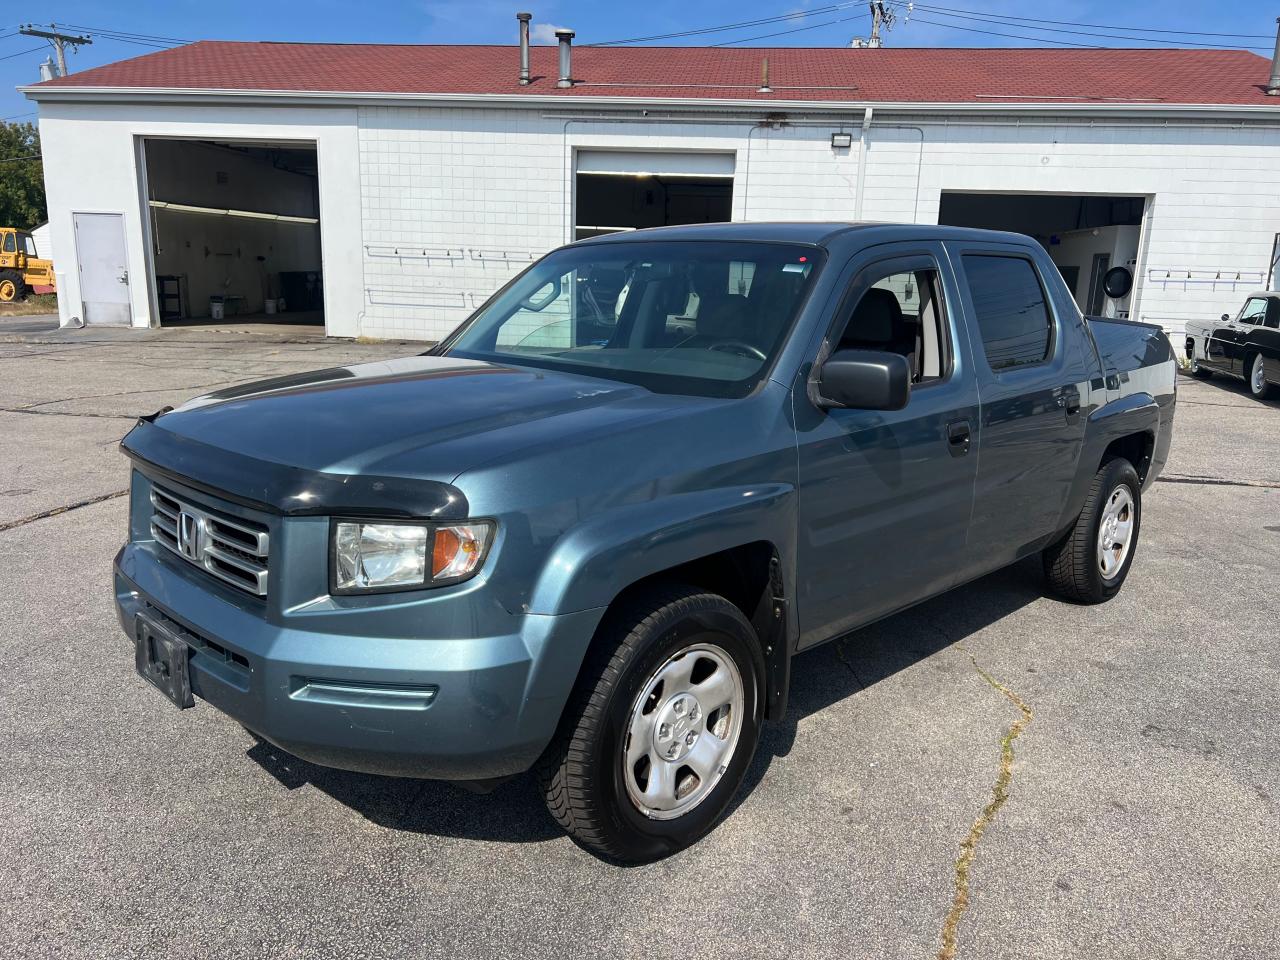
column 29, row 244
column 1254, row 310
column 902, row 312
column 703, row 317
column 1010, row 308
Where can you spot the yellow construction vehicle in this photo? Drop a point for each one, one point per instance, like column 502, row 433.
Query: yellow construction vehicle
column 20, row 269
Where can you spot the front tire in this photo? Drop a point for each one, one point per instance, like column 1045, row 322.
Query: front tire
column 1090, row 563
column 661, row 728
column 12, row 286
column 1256, row 378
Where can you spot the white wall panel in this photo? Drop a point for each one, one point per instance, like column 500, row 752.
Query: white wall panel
column 428, row 210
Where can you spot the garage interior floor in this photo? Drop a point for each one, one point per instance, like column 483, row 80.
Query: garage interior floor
column 1142, row 800
column 257, row 321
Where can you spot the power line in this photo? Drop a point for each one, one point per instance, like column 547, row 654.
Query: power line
column 1000, row 21
column 831, row 8
column 22, row 53
column 1015, row 36
column 1027, row 23
column 105, row 31
column 1097, row 26
column 766, row 36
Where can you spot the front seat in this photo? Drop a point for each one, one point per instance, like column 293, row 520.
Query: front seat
column 878, row 324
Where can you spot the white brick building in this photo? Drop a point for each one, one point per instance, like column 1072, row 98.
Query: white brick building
column 390, row 190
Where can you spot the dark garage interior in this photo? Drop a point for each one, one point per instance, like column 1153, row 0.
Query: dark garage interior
column 607, row 204
column 1085, row 235
column 234, row 231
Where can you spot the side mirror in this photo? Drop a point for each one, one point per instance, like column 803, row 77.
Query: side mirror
column 864, row 380
column 1226, row 318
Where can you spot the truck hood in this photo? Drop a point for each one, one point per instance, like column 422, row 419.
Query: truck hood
column 415, row 417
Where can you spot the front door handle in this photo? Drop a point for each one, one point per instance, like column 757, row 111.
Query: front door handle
column 959, row 436
column 124, row 277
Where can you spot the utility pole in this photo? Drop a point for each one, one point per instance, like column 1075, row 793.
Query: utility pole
column 59, row 41
column 882, row 18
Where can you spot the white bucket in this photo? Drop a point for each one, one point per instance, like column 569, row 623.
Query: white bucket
column 216, row 309
column 270, row 307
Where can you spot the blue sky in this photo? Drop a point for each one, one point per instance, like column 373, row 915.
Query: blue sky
column 953, row 23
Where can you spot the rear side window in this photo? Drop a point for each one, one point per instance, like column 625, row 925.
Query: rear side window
column 1011, row 311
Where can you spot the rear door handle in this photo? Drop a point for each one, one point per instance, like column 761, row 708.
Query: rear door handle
column 958, row 437
column 1069, row 400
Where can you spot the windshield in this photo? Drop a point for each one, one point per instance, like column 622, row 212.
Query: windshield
column 673, row 316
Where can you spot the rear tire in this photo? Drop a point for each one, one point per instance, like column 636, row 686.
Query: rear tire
column 12, row 287
column 633, row 706
column 1090, row 563
column 1255, row 376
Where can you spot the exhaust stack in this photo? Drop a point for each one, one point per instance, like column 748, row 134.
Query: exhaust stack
column 566, row 57
column 524, row 19
column 1273, row 85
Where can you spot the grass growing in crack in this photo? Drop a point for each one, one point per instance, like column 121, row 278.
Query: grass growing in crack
column 999, row 794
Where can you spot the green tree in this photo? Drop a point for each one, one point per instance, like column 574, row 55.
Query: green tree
column 21, row 177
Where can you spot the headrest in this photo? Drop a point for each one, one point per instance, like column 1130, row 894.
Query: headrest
column 877, row 318
column 726, row 319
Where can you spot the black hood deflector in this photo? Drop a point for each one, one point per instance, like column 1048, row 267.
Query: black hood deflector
column 280, row 489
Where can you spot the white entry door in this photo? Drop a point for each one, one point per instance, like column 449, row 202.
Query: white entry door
column 104, row 271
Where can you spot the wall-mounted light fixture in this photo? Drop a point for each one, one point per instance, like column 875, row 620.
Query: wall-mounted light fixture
column 839, row 140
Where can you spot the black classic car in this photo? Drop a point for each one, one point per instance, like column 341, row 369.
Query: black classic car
column 1245, row 346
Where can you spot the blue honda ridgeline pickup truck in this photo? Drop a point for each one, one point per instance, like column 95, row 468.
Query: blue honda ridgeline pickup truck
column 588, row 531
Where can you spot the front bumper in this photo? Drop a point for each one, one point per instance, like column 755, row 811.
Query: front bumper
column 471, row 708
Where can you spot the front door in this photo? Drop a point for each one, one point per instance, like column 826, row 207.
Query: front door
column 1032, row 372
column 104, row 271
column 885, row 495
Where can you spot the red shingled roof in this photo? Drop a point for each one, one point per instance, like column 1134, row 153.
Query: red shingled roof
column 948, row 75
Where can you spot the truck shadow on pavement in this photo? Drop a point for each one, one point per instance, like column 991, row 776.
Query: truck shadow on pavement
column 514, row 813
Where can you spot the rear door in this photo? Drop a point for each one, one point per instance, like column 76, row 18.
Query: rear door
column 104, row 270
column 1029, row 346
column 885, row 495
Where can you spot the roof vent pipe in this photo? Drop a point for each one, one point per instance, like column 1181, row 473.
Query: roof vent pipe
column 1273, row 85
column 524, row 19
column 566, row 57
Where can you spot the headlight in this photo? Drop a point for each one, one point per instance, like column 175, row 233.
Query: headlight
column 373, row 557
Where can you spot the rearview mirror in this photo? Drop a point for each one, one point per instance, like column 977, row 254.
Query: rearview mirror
column 864, row 380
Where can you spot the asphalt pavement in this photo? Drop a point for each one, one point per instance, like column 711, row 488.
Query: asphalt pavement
column 1143, row 794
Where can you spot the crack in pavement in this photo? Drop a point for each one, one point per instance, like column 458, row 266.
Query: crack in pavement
column 999, row 794
column 69, row 413
column 129, row 393
column 840, row 655
column 1217, row 481
column 57, row 511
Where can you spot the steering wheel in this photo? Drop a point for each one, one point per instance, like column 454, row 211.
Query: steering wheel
column 740, row 347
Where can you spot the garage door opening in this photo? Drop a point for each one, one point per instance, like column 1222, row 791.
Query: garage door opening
column 234, row 231
column 1086, row 236
column 619, row 191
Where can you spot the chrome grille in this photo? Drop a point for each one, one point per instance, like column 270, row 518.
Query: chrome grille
column 234, row 551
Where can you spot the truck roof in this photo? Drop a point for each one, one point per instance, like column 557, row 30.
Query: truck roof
column 813, row 233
